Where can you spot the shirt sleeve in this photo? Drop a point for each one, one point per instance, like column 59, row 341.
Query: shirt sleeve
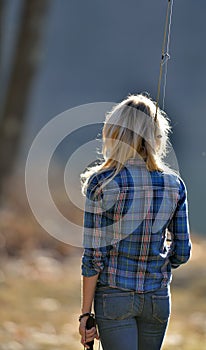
column 180, row 232
column 96, row 251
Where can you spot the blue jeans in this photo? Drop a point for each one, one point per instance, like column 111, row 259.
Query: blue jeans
column 130, row 320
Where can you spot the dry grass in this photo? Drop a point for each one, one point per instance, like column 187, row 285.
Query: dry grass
column 40, row 301
column 187, row 330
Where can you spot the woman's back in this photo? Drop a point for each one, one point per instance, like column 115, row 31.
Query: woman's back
column 131, row 216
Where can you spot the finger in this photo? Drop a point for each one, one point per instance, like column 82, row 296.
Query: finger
column 81, row 329
column 91, row 331
column 83, row 342
column 93, row 334
column 90, row 338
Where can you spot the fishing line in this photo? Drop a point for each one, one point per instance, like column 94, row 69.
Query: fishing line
column 165, row 55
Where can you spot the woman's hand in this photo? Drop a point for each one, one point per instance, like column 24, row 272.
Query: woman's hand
column 89, row 335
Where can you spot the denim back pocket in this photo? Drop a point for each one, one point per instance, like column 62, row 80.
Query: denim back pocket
column 118, row 306
column 161, row 307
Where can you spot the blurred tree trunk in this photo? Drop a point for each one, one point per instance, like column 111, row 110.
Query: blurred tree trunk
column 25, row 64
column 2, row 3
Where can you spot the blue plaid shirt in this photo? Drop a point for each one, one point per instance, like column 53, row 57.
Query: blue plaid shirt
column 136, row 228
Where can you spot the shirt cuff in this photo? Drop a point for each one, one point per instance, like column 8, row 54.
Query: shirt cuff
column 91, row 266
column 89, row 272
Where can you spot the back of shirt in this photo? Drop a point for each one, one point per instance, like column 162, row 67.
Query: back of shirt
column 126, row 226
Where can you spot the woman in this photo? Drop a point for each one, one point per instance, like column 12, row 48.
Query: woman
column 134, row 202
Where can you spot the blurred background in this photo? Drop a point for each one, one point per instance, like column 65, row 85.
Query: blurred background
column 60, row 54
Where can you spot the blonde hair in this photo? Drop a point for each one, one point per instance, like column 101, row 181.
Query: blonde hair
column 132, row 129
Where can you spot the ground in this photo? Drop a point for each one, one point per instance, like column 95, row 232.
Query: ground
column 40, row 303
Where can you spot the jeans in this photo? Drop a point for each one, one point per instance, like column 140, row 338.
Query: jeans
column 130, row 320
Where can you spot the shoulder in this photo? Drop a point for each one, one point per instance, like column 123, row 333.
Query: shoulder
column 176, row 182
column 98, row 177
column 174, row 178
column 179, row 181
column 171, row 182
column 95, row 182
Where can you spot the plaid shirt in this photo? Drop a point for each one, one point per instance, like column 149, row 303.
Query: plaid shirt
column 127, row 225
